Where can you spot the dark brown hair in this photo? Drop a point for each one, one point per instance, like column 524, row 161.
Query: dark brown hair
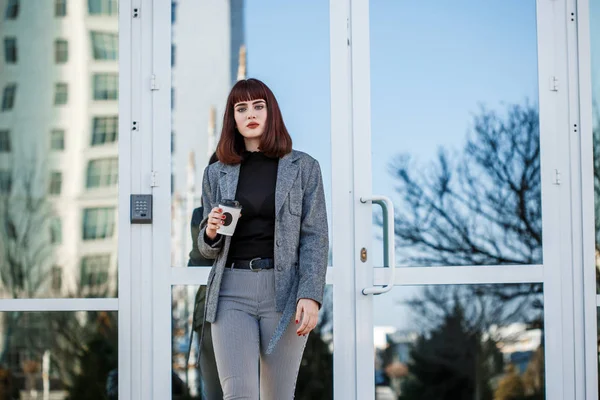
column 275, row 140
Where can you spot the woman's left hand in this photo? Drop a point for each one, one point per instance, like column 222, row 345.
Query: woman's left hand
column 308, row 310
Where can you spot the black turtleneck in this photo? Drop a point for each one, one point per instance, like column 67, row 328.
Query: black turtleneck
column 255, row 231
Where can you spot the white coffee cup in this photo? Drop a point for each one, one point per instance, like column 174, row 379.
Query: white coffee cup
column 231, row 210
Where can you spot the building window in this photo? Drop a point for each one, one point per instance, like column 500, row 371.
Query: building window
column 102, row 7
column 5, row 146
column 61, row 94
column 57, row 139
column 60, row 8
column 55, row 183
column 105, row 45
column 55, row 230
column 61, row 51
column 94, row 273
column 105, row 130
column 173, row 55
column 8, row 96
column 5, row 181
column 98, row 223
column 12, row 9
column 106, row 86
column 173, row 11
column 10, row 50
column 102, row 173
column 172, row 142
column 172, row 98
column 56, row 278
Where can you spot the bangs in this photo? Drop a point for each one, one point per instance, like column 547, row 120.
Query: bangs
column 248, row 90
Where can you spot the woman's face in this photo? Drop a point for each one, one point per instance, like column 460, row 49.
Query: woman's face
column 251, row 118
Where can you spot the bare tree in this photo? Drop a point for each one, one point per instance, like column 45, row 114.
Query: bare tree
column 481, row 206
column 25, row 244
column 26, row 251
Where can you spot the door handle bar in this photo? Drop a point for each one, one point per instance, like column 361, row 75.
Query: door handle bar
column 389, row 251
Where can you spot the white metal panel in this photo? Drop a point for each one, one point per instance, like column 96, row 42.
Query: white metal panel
column 161, row 234
column 344, row 293
column 361, row 153
column 588, row 245
column 102, row 304
column 461, row 275
column 554, row 122
column 126, row 55
column 575, row 292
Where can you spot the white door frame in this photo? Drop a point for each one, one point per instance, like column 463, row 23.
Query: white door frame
column 145, row 279
column 558, row 305
column 164, row 276
column 583, row 195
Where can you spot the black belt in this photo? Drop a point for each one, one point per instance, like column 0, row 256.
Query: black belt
column 256, row 264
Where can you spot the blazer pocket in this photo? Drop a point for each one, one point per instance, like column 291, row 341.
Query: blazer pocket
column 295, row 201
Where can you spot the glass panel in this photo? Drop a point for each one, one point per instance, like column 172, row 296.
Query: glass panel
column 242, row 44
column 61, row 51
column 455, row 130
column 10, row 50
column 60, row 8
column 12, row 9
column 103, row 7
column 61, row 94
column 481, row 342
column 50, row 131
column 595, row 50
column 59, row 355
column 105, row 45
column 315, row 378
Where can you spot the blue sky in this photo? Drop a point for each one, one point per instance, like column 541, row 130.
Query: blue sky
column 432, row 65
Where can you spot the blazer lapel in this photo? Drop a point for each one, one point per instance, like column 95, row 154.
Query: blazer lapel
column 229, row 181
column 286, row 174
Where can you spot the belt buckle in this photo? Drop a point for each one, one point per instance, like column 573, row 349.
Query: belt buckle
column 250, row 265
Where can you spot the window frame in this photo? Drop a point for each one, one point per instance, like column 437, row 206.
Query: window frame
column 9, row 95
column 61, row 51
column 61, row 93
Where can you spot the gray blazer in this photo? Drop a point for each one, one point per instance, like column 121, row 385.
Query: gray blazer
column 301, row 238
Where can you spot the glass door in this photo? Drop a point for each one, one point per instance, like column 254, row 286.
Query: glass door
column 200, row 49
column 457, row 192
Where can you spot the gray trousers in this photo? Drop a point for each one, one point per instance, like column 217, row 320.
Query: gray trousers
column 246, row 320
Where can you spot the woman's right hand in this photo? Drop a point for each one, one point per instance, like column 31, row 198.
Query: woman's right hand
column 215, row 220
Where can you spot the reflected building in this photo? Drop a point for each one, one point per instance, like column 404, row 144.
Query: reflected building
column 207, row 58
column 58, row 180
column 59, row 157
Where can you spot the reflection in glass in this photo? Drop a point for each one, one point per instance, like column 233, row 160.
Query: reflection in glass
column 10, row 50
column 202, row 76
column 58, row 150
column 458, row 152
column 12, row 9
column 595, row 53
column 103, row 7
column 481, row 342
column 242, row 45
column 58, row 355
column 8, row 96
column 315, row 377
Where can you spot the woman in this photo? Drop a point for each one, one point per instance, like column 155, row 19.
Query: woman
column 266, row 285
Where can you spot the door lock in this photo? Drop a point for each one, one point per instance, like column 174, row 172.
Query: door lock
column 363, row 255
